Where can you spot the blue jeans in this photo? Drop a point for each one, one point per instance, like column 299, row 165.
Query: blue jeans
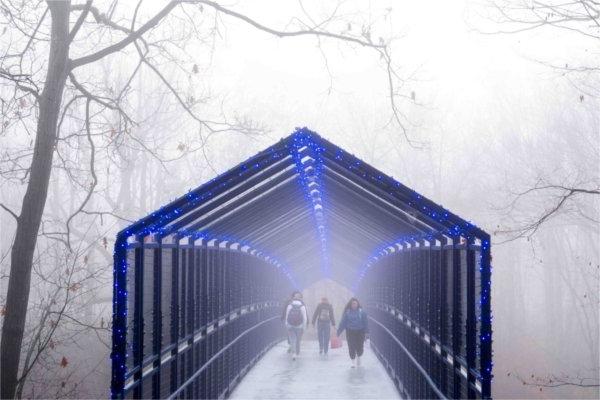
column 323, row 331
column 294, row 336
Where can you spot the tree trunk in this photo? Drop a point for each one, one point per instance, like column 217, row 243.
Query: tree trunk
column 34, row 200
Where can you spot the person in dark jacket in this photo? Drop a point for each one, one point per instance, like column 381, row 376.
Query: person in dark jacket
column 325, row 320
column 355, row 322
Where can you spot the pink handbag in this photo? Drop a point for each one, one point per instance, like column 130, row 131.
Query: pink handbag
column 336, row 342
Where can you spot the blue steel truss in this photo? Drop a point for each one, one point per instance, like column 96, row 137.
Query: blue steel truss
column 199, row 283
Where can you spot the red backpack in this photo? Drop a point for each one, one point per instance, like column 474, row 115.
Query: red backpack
column 294, row 317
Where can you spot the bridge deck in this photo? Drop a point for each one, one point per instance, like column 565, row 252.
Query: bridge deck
column 276, row 376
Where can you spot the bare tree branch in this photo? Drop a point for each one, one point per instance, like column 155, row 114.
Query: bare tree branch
column 79, row 22
column 92, row 171
column 529, row 229
column 553, row 381
column 282, row 34
column 151, row 23
column 11, row 212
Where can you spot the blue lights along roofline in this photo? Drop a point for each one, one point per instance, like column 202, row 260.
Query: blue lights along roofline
column 265, row 254
column 309, row 170
column 421, row 205
column 165, row 214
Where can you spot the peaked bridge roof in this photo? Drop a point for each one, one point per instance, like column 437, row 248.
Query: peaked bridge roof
column 310, row 206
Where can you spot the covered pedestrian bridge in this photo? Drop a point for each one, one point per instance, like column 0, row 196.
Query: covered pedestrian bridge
column 199, row 284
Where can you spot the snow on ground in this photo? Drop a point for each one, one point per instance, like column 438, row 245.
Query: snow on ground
column 311, row 376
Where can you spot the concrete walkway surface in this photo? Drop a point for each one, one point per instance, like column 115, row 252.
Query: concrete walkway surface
column 312, row 376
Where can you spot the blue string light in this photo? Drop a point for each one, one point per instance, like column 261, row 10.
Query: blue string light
column 310, row 169
column 261, row 253
column 382, row 251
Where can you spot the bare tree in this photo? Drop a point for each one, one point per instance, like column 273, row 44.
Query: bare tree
column 61, row 318
column 50, row 47
column 578, row 17
column 560, row 200
column 581, row 18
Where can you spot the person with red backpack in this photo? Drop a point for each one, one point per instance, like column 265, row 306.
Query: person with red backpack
column 355, row 322
column 296, row 295
column 324, row 315
column 296, row 319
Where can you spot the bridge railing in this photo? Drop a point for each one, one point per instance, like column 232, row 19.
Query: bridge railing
column 195, row 317
column 429, row 320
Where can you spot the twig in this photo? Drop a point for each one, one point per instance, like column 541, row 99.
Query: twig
column 8, row 210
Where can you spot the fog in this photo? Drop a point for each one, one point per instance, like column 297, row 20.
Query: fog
column 497, row 127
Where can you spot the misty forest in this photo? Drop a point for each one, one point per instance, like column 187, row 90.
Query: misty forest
column 112, row 109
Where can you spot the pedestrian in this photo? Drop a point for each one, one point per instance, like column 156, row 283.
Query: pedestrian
column 296, row 319
column 355, row 322
column 296, row 295
column 324, row 318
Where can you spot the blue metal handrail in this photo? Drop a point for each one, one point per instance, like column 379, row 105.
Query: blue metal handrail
column 432, row 384
column 217, row 355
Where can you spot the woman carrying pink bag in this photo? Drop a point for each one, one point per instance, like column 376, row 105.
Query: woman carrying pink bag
column 355, row 322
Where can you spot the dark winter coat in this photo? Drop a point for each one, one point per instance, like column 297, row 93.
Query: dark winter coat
column 355, row 320
column 317, row 313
